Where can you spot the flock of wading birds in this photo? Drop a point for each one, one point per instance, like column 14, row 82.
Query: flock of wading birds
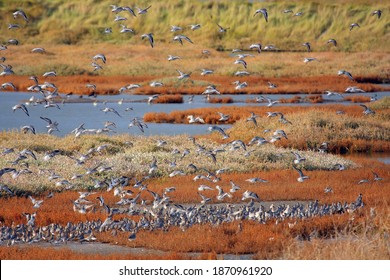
column 158, row 211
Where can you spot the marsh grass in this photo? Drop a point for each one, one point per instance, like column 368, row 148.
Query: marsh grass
column 309, row 128
column 134, row 160
column 72, row 64
column 72, row 22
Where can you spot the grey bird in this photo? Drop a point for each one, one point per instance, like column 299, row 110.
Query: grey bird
column 112, row 110
column 222, row 29
column 307, row 45
column 149, row 36
column 180, row 39
column 21, row 107
column 377, row 12
column 28, row 128
column 346, row 73
column 21, row 13
column 376, row 176
column 367, row 111
column 250, row 195
column 38, row 50
column 262, row 11
column 143, row 11
column 220, row 130
column 301, row 177
column 332, row 41
column 100, row 56
column 353, row 25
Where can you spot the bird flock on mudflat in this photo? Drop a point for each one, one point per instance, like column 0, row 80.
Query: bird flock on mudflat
column 158, row 212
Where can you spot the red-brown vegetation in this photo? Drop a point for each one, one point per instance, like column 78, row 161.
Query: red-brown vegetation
column 357, row 99
column 169, row 99
column 223, row 100
column 257, row 85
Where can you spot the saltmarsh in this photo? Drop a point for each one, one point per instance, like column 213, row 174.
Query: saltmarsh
column 132, row 156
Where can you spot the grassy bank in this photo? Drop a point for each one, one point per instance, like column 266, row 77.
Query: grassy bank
column 74, row 22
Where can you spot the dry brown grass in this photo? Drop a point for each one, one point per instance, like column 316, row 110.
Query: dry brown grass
column 169, row 99
column 38, row 253
column 267, row 241
column 223, row 100
column 286, row 70
column 351, row 132
column 357, row 99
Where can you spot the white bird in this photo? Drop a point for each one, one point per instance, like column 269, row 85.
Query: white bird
column 242, row 62
column 100, row 56
column 112, row 110
column 180, row 39
column 354, row 89
column 240, row 85
column 28, row 128
column 256, row 180
column 353, row 25
column 328, row 190
column 149, row 36
column 270, row 101
column 301, row 177
column 252, row 118
column 367, row 111
column 234, row 187
column 173, row 57
column 183, row 75
column 223, row 117
column 221, row 194
column 204, row 198
column 125, row 29
column 38, row 50
column 143, row 11
column 156, row 84
column 307, row 45
column 376, row 176
column 377, row 12
column 50, row 74
column 250, row 195
column 271, row 85
column 8, row 84
column 298, row 158
column 23, row 15
column 204, row 188
column 264, row 12
column 152, row 98
column 332, row 41
column 36, row 203
column 119, row 18
column 346, row 73
column 220, row 130
column 192, row 119
column 7, row 70
column 108, row 30
column 21, row 107
column 195, row 26
column 206, row 72
column 256, row 46
column 222, row 29
column 309, row 59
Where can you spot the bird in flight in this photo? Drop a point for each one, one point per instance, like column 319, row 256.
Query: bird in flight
column 262, row 11
column 150, row 38
column 353, row 25
column 378, row 13
column 222, row 29
column 346, row 73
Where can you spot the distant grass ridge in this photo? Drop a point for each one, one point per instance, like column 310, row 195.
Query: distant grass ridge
column 78, row 22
